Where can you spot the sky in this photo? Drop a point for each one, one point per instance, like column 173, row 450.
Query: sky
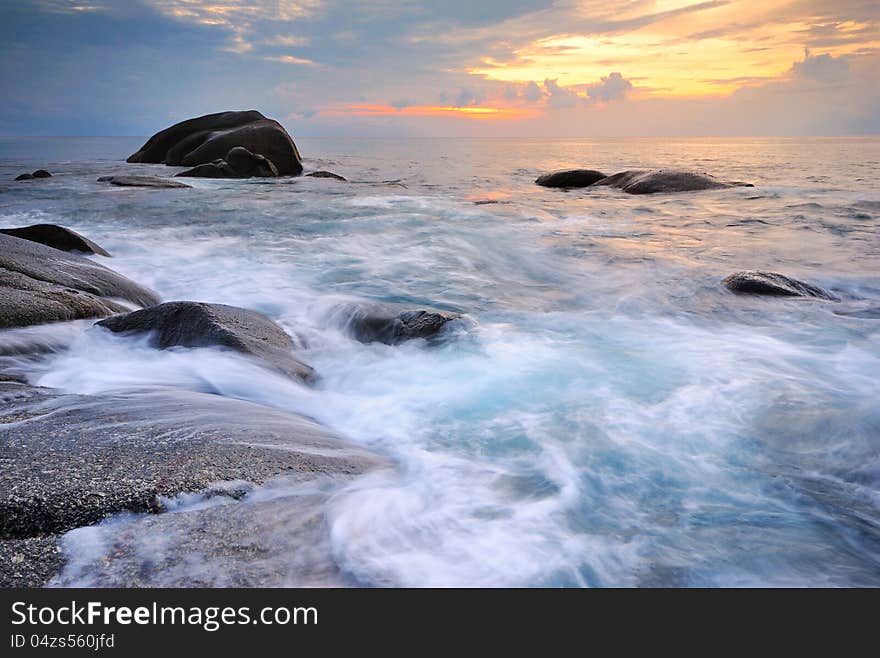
column 493, row 68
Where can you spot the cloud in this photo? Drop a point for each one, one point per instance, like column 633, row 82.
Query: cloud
column 610, row 88
column 400, row 104
column 560, row 97
column 532, row 92
column 822, row 68
column 290, row 59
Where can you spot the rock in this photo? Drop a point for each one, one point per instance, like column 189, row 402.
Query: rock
column 326, row 174
column 56, row 237
column 389, row 323
column 29, row 562
column 71, row 460
column 210, row 137
column 642, row 181
column 40, row 284
column 141, row 181
column 771, row 283
column 238, row 163
column 570, row 178
column 248, row 164
column 39, row 173
column 196, row 324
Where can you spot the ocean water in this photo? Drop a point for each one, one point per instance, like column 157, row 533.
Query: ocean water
column 611, row 416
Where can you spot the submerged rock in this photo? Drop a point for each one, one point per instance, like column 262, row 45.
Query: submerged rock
column 197, row 324
column 208, row 138
column 389, row 323
column 71, row 460
column 141, row 181
column 862, row 314
column 326, row 174
column 56, row 237
column 40, row 284
column 238, row 163
column 570, row 178
column 643, row 181
column 772, row 283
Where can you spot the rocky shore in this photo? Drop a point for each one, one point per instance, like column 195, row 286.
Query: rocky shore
column 70, row 461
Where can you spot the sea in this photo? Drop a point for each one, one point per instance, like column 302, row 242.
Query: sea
column 610, row 414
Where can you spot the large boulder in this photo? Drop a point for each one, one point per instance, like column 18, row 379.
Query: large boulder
column 141, row 181
column 570, row 178
column 645, row 181
column 39, row 173
column 56, row 237
column 391, row 324
column 238, row 163
column 40, row 284
column 210, row 137
column 772, row 283
column 71, row 460
column 197, row 324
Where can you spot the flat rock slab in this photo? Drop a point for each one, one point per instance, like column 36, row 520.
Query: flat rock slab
column 197, row 324
column 773, row 284
column 29, row 562
column 326, row 174
column 70, row 460
column 283, row 542
column 642, row 181
column 142, row 181
column 39, row 284
column 570, row 178
column 56, row 237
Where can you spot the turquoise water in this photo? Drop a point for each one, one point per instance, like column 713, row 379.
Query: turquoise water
column 612, row 416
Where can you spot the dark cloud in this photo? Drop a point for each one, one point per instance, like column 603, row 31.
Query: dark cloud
column 822, row 68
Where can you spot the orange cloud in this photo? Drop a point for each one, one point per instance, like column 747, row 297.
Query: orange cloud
column 470, row 112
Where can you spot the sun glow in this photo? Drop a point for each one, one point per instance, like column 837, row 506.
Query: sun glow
column 470, row 112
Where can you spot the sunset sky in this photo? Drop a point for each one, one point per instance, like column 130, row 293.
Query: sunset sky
column 458, row 67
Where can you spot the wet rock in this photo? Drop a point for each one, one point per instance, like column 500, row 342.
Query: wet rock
column 39, row 284
column 326, row 174
column 390, row 323
column 141, row 181
column 208, row 138
column 642, row 181
column 238, row 163
column 24, row 177
column 772, row 283
column 71, row 460
column 196, row 324
column 56, row 237
column 41, row 173
column 29, row 562
column 862, row 314
column 570, row 178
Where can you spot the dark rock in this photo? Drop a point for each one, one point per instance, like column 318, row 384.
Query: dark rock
column 642, row 181
column 24, row 177
column 41, row 173
column 570, row 178
column 71, row 460
column 56, row 237
column 210, row 137
column 29, row 562
column 238, row 163
column 248, row 164
column 141, row 181
column 326, row 174
column 196, row 324
column 389, row 323
column 40, row 284
column 771, row 283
